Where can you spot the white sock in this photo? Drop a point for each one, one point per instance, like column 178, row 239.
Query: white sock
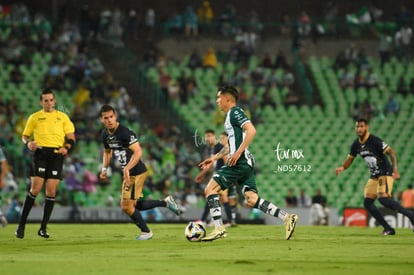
column 272, row 210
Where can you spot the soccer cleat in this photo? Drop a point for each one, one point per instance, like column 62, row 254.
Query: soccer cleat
column 219, row 232
column 290, row 224
column 388, row 232
column 19, row 232
column 172, row 205
column 43, row 233
column 144, row 236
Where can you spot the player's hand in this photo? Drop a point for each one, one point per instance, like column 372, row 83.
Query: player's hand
column 126, row 181
column 206, row 164
column 396, row 175
column 32, row 145
column 63, row 151
column 339, row 170
column 232, row 160
column 199, row 178
column 102, row 175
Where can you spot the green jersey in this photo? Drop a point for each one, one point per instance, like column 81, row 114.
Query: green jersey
column 235, row 119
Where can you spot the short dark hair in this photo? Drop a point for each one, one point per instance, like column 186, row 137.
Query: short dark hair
column 231, row 90
column 225, row 134
column 362, row 120
column 209, row 131
column 46, row 91
column 106, row 108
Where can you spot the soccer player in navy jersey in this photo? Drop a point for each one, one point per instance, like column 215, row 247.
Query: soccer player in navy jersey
column 374, row 150
column 121, row 142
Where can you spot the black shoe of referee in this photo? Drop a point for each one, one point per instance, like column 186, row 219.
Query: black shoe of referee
column 19, row 232
column 43, row 233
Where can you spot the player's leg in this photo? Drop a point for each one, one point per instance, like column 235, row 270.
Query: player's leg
column 37, row 175
column 3, row 219
column 212, row 195
column 150, row 204
column 54, row 167
column 224, row 199
column 205, row 214
column 128, row 201
column 221, row 180
column 252, row 199
column 232, row 194
column 51, row 187
column 35, row 187
column 370, row 194
column 385, row 198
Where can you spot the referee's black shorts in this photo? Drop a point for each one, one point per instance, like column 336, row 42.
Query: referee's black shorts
column 47, row 163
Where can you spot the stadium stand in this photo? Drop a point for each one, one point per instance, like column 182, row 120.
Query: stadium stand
column 322, row 131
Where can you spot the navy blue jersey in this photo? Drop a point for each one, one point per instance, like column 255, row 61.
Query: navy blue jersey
column 372, row 151
column 119, row 143
column 217, row 148
column 210, row 151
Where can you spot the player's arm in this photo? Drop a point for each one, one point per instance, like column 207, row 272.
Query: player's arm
column 222, row 153
column 27, row 133
column 207, row 164
column 69, row 143
column 250, row 132
column 135, row 157
column 393, row 156
column 202, row 174
column 348, row 161
column 106, row 159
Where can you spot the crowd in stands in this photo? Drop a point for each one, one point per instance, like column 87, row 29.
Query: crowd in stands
column 73, row 68
column 272, row 73
column 355, row 71
column 171, row 163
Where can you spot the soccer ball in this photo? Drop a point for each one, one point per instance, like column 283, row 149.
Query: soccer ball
column 194, row 231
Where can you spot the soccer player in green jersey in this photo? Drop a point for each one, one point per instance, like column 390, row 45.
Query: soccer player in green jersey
column 239, row 168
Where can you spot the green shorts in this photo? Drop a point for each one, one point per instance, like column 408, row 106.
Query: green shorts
column 232, row 191
column 241, row 174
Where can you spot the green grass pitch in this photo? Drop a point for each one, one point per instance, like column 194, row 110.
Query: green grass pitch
column 248, row 249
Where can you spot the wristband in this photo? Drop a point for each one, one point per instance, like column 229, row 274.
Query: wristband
column 71, row 142
column 104, row 170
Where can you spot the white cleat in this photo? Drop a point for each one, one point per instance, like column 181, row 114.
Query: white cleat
column 144, row 236
column 290, row 224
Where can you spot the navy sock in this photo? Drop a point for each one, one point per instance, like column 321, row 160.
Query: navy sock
column 149, row 204
column 139, row 221
column 47, row 211
column 392, row 204
column 227, row 209
column 28, row 204
column 205, row 213
column 374, row 211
